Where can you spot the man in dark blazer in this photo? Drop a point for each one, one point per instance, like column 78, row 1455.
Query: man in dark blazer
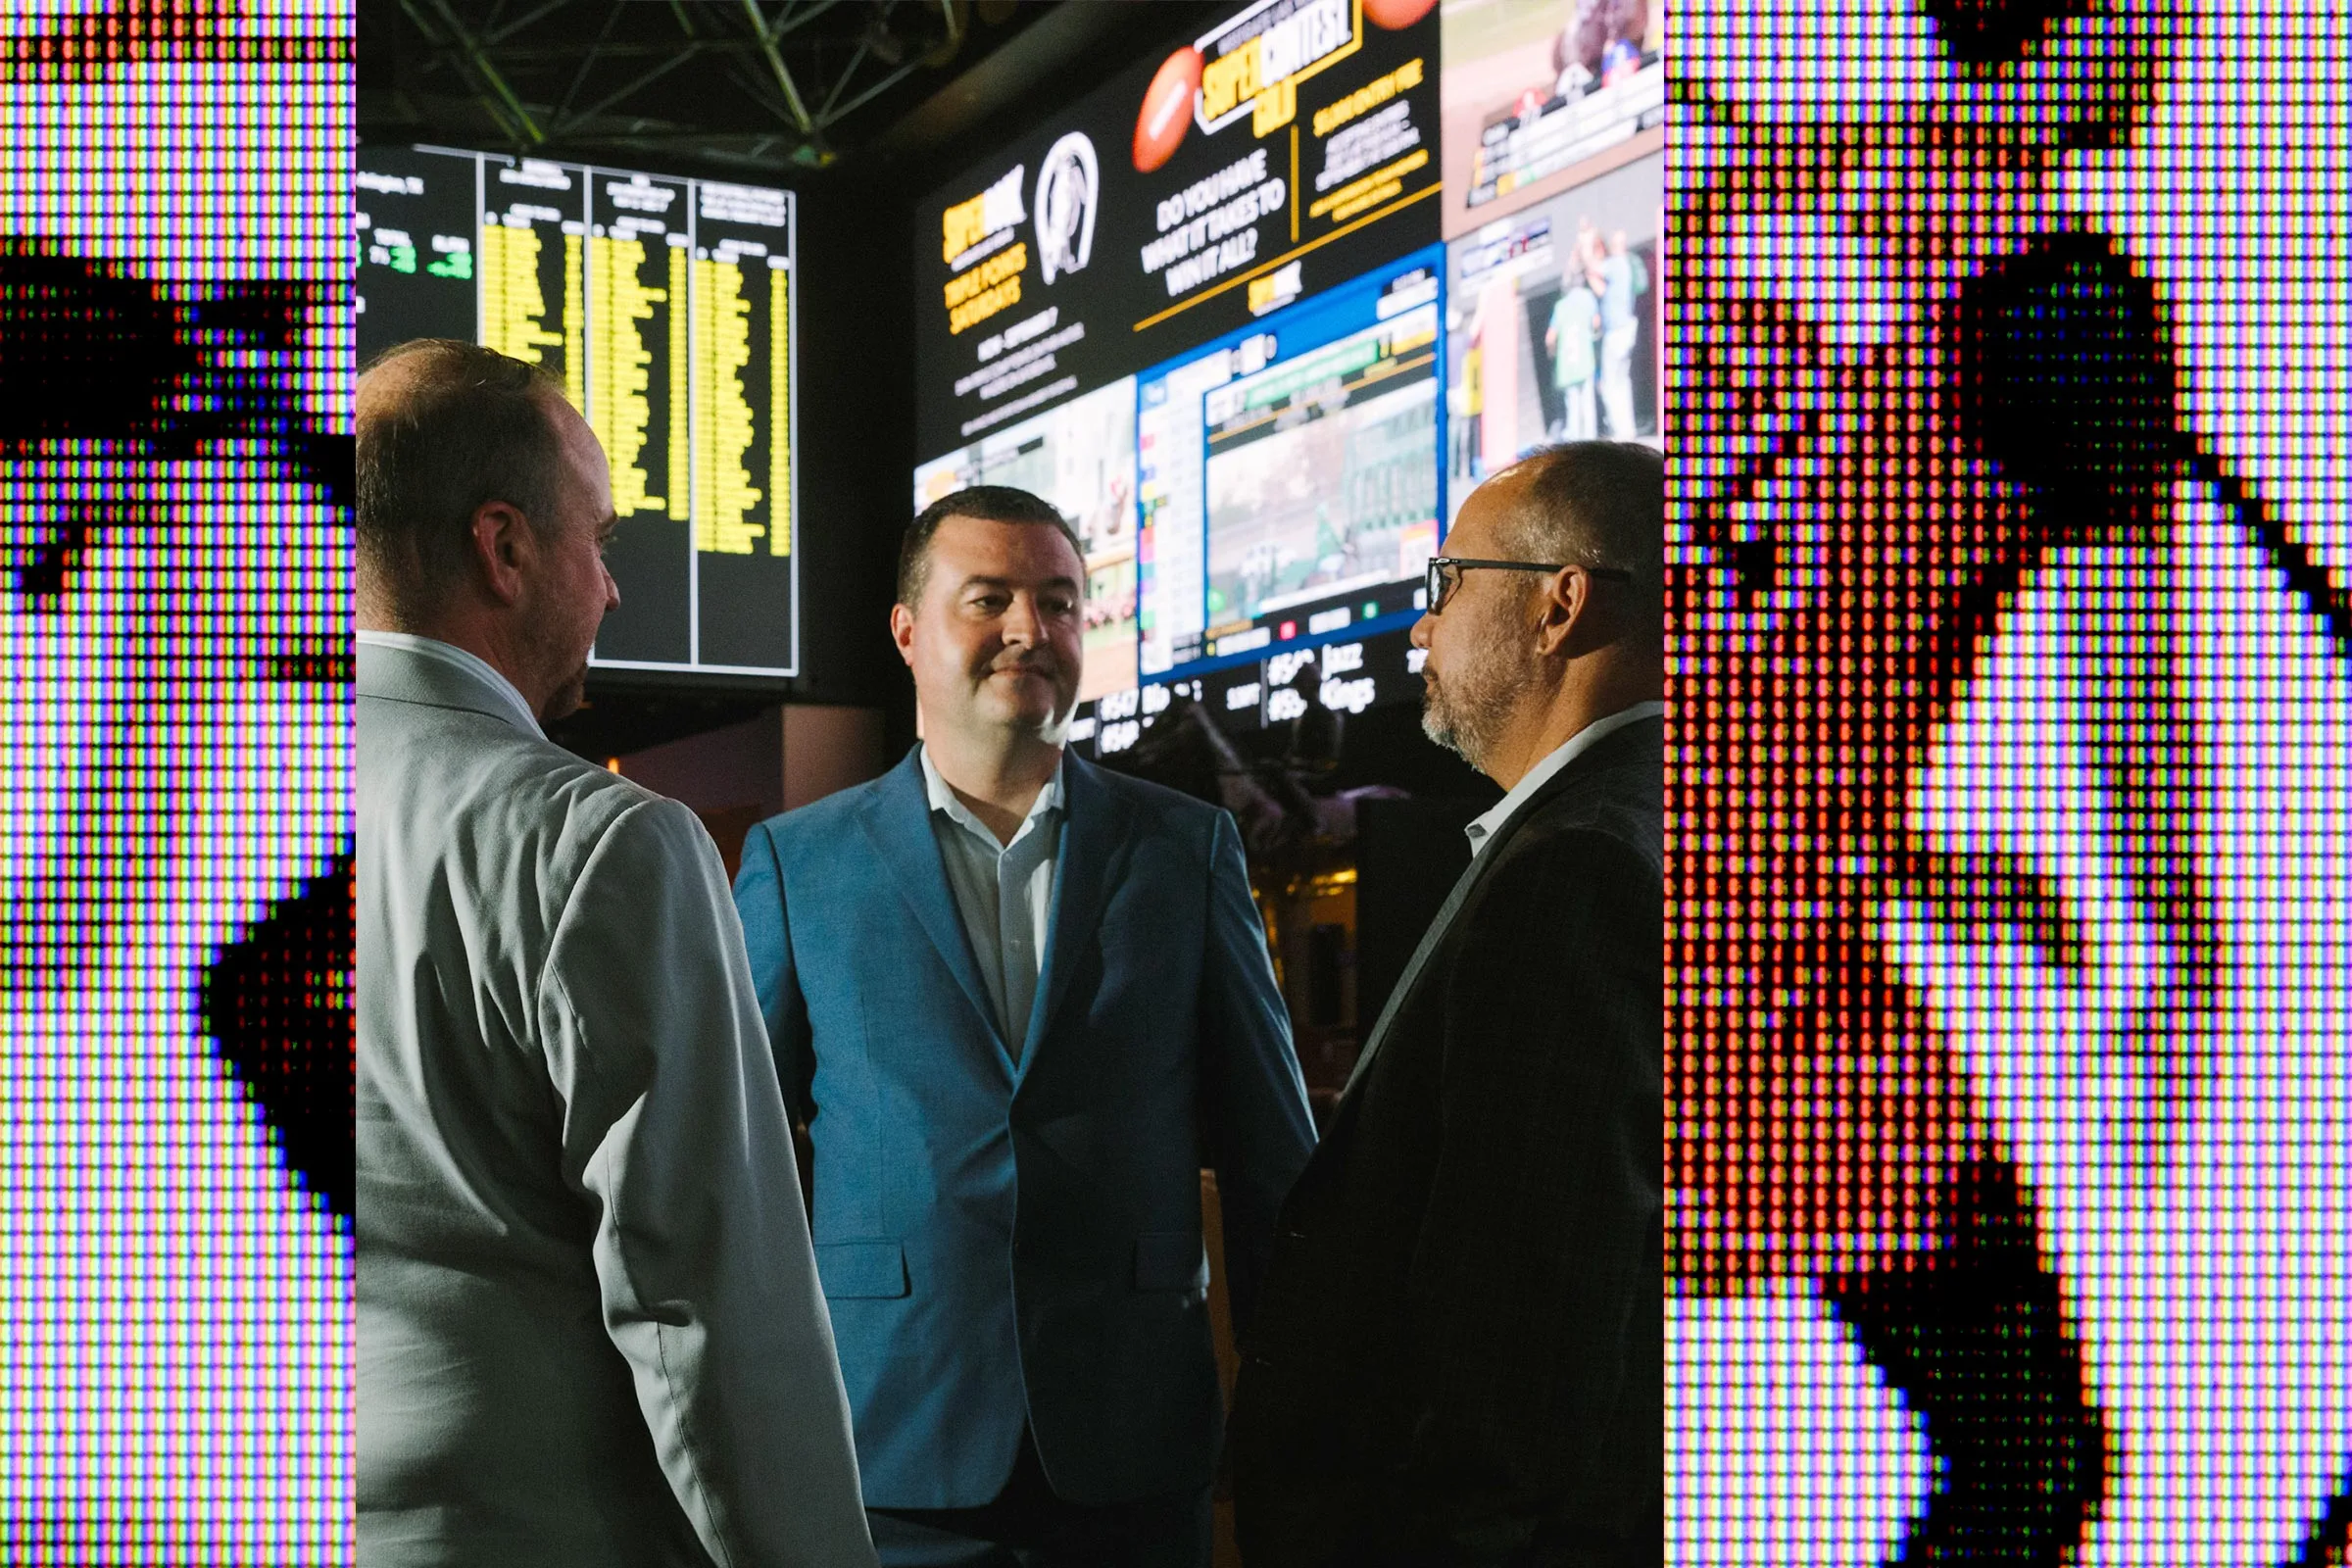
column 1457, row 1354
column 1019, row 1002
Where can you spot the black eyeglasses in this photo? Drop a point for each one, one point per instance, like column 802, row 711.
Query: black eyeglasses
column 1445, row 571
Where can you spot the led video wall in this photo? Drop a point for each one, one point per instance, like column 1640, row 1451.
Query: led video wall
column 1212, row 315
column 665, row 308
column 2010, row 787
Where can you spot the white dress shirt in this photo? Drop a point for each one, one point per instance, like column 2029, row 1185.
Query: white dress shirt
column 1575, row 746
column 459, row 658
column 1005, row 893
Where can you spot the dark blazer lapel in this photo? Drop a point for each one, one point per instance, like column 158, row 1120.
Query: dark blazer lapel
column 1093, row 837
column 898, row 821
column 1645, row 731
column 1413, row 966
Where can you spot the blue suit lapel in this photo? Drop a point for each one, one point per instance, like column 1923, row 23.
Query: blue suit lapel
column 1093, row 837
column 898, row 820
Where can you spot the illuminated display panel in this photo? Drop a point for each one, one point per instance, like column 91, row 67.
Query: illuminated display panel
column 2010, row 786
column 1290, row 476
column 665, row 307
column 175, row 915
column 1542, row 96
column 1553, row 326
column 1288, row 149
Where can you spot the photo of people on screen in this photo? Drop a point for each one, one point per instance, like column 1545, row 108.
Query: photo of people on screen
column 1553, row 329
column 1539, row 97
column 1281, row 537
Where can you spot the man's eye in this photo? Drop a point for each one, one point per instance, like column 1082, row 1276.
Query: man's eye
column 1059, row 606
column 992, row 603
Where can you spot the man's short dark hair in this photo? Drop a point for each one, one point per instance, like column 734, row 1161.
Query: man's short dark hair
column 458, row 426
column 990, row 502
column 1594, row 503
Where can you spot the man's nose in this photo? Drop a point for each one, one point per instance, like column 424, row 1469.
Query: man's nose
column 612, row 591
column 1022, row 623
column 1419, row 635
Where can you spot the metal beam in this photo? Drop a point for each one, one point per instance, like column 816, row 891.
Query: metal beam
column 890, row 80
column 472, row 53
column 679, row 54
column 501, row 35
column 588, row 62
column 775, row 62
column 824, row 112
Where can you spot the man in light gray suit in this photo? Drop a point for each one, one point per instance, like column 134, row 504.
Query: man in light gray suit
column 589, row 1324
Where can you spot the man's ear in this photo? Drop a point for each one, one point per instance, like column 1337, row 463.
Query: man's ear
column 1565, row 604
column 505, row 550
column 902, row 633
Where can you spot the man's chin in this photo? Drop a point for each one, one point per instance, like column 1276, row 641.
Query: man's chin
column 567, row 699
column 1047, row 722
column 1027, row 703
column 1441, row 733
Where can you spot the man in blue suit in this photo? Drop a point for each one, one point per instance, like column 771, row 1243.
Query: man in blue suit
column 1019, row 1002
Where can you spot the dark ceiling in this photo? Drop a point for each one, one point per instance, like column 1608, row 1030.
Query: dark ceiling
column 785, row 89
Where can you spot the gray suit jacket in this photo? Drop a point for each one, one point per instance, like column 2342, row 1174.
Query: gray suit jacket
column 589, row 1324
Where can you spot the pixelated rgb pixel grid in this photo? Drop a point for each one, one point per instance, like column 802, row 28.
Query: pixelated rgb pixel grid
column 174, row 902
column 2010, row 931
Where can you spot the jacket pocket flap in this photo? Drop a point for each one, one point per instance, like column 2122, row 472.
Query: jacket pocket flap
column 861, row 1268
column 1170, row 1260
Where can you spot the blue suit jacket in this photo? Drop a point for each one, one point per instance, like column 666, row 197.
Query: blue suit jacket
column 1004, row 1242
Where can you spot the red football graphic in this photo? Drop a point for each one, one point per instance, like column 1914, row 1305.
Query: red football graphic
column 1168, row 110
column 1397, row 14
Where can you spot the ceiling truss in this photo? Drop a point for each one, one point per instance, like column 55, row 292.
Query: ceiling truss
column 775, row 81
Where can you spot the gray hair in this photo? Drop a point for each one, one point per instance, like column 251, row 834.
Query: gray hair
column 1594, row 503
column 452, row 426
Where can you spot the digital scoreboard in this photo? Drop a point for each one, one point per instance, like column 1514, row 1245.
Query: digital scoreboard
column 665, row 307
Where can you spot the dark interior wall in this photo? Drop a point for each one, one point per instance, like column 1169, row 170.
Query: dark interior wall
column 857, row 391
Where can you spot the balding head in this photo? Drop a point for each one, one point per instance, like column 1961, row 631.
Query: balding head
column 1593, row 504
column 1554, row 615
column 485, row 508
column 443, row 427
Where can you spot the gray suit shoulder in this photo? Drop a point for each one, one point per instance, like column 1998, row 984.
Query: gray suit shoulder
column 491, row 784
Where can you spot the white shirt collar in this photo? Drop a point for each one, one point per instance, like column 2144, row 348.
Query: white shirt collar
column 943, row 799
column 457, row 657
column 1482, row 831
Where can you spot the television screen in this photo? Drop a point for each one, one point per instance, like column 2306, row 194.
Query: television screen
column 1541, row 95
column 1553, row 326
column 1290, row 476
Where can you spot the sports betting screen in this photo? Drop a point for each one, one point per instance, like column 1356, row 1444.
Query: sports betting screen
column 1183, row 312
column 665, row 308
column 1290, row 476
column 1260, row 314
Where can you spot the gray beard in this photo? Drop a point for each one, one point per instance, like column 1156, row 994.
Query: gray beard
column 1469, row 716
